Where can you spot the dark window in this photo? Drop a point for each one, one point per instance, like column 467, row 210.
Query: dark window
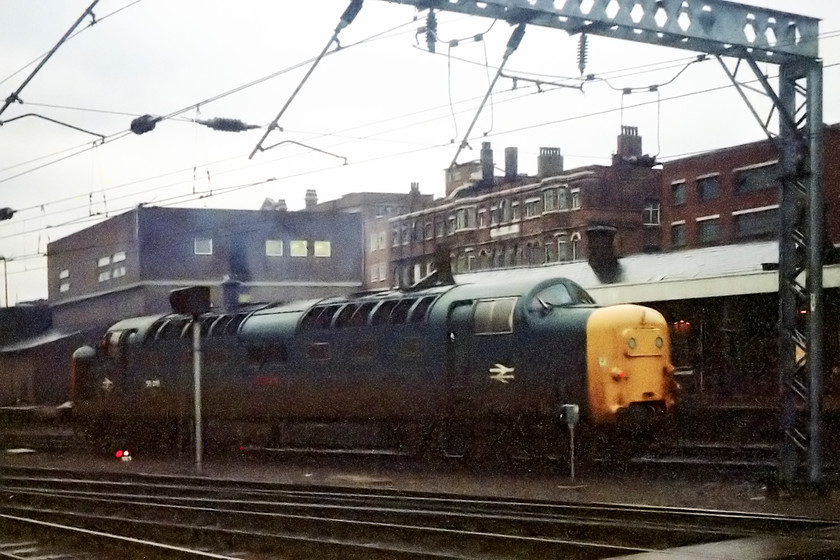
column 678, row 194
column 494, row 316
column 708, row 188
column 319, row 351
column 757, row 224
column 678, row 235
column 171, row 328
column 757, row 179
column 708, row 231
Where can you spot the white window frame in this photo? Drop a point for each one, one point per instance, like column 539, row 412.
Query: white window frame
column 298, row 248
column 322, row 249
column 103, row 261
column 119, row 256
column 199, row 250
column 276, row 250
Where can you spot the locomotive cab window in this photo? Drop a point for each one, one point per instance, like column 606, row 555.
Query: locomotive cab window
column 495, row 316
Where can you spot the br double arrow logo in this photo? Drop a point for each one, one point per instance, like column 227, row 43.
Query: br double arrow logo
column 501, row 373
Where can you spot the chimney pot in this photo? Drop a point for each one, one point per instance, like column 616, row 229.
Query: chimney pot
column 549, row 162
column 511, row 163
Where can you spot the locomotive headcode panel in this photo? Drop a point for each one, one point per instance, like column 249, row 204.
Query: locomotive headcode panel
column 479, row 359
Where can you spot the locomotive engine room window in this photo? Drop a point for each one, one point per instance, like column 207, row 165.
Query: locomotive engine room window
column 418, row 314
column 495, row 316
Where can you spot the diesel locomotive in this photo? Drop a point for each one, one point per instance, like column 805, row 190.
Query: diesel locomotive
column 457, row 369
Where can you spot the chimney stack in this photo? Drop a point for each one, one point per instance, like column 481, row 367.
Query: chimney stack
column 511, row 164
column 549, row 162
column 311, row 199
column 486, row 164
column 629, row 143
column 602, row 259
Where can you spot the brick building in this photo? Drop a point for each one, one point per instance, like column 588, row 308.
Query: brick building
column 731, row 195
column 490, row 222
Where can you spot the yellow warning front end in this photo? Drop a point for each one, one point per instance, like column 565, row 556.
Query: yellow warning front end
column 629, row 370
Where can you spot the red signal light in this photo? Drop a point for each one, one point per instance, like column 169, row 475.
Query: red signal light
column 118, row 454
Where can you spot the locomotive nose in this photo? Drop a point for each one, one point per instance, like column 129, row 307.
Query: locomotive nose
column 628, row 362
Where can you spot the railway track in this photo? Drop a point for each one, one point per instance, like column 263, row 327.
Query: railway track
column 154, row 516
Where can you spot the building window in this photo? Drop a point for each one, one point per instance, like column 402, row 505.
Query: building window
column 103, row 261
column 757, row 222
column 440, row 228
column 549, row 200
column 382, row 240
column 64, row 287
column 298, row 248
column 708, row 229
column 428, row 231
column 678, row 234
column 203, row 246
column 322, row 249
column 504, row 211
column 494, row 215
column 756, row 178
column 374, row 243
column 395, row 236
column 405, row 234
column 532, row 207
column 650, row 214
column 383, row 275
column 105, row 275
column 118, row 257
column 64, row 274
column 118, row 272
column 678, row 193
column 374, row 273
column 482, row 218
column 575, row 199
column 515, row 212
column 708, row 188
column 273, row 247
column 563, row 198
column 563, row 247
column 451, row 228
column 461, row 219
column 575, row 246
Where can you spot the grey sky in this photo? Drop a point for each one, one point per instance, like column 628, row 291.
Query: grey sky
column 383, row 102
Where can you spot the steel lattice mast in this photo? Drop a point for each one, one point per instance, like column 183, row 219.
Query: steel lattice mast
column 750, row 34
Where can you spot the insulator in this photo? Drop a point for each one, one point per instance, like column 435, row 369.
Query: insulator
column 582, row 54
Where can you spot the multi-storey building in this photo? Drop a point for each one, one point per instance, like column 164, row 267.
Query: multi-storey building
column 731, row 195
column 128, row 264
column 491, row 222
column 376, row 209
